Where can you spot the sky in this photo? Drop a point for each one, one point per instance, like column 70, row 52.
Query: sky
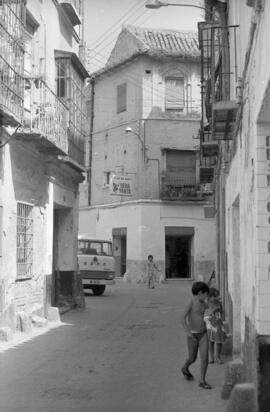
column 104, row 19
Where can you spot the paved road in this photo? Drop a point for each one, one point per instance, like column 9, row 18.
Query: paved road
column 122, row 354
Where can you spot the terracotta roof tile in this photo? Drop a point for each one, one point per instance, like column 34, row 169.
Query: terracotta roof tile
column 134, row 41
column 182, row 43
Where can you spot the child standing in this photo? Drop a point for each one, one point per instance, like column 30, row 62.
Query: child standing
column 197, row 338
column 216, row 332
column 151, row 270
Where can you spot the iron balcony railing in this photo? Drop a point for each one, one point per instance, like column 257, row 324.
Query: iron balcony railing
column 11, row 94
column 218, row 61
column 175, row 187
column 77, row 130
column 12, row 17
column 219, row 78
column 45, row 113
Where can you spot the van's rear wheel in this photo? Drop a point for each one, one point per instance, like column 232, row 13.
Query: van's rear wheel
column 98, row 290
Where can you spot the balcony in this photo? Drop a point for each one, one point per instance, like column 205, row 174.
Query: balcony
column 209, row 148
column 11, row 63
column 76, row 145
column 177, row 187
column 45, row 121
column 219, row 73
column 11, row 95
column 73, row 9
column 208, row 162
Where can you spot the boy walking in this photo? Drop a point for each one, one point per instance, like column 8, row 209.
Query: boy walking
column 197, row 338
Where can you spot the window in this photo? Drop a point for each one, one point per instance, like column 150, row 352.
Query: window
column 70, row 89
column 174, row 93
column 121, row 98
column 31, row 44
column 88, row 247
column 107, row 176
column 62, row 78
column 24, row 241
column 181, row 167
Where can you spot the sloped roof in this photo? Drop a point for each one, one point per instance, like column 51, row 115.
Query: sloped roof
column 134, row 41
column 183, row 43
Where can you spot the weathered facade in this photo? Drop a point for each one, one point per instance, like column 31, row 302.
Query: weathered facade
column 43, row 133
column 143, row 182
column 235, row 131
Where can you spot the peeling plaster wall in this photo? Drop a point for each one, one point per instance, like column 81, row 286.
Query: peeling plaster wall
column 248, row 181
column 26, row 179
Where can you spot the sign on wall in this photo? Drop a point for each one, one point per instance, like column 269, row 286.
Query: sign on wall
column 121, row 185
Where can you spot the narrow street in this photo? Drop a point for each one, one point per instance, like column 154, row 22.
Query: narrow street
column 123, row 353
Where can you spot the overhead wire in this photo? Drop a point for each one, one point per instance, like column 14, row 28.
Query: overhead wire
column 131, row 23
column 118, row 22
column 112, row 41
column 134, row 80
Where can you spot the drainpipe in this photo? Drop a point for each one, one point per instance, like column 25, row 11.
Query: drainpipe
column 89, row 171
column 146, row 158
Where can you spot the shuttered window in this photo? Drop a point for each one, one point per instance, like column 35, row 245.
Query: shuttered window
column 181, row 167
column 121, row 98
column 174, row 93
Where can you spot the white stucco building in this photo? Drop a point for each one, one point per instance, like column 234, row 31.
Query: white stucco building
column 42, row 112
column 143, row 188
column 237, row 110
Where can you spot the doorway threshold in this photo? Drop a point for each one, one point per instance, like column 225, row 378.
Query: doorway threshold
column 180, row 280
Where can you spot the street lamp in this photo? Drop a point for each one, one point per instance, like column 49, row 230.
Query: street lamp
column 157, row 4
column 129, row 130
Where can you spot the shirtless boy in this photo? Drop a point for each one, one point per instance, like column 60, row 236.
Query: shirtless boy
column 194, row 325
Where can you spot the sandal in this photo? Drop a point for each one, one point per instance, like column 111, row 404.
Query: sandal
column 205, row 385
column 187, row 374
column 211, row 361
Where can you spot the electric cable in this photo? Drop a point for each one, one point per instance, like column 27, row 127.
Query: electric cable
column 118, row 22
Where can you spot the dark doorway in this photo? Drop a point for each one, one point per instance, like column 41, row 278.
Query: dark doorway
column 178, row 259
column 120, row 250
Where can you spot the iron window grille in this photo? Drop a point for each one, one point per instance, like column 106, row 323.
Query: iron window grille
column 24, row 241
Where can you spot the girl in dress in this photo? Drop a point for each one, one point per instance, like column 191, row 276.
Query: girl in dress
column 215, row 326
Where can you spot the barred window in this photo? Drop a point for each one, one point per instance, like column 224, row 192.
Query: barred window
column 24, row 241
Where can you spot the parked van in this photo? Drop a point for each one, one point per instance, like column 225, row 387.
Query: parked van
column 96, row 263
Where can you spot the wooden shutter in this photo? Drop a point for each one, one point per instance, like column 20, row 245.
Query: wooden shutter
column 121, row 98
column 174, row 93
column 181, row 166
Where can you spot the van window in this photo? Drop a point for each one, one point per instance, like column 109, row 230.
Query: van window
column 88, row 247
